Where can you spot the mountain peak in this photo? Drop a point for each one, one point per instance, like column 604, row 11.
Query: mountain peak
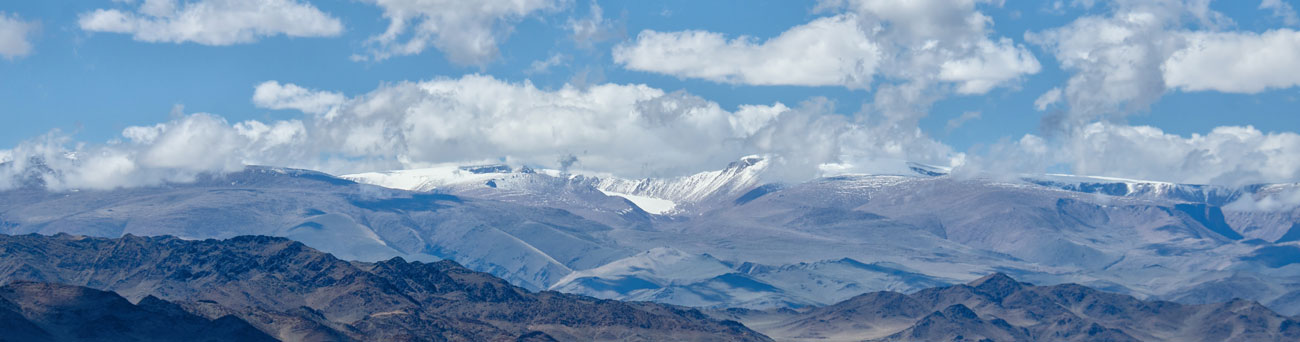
column 959, row 312
column 745, row 162
column 998, row 285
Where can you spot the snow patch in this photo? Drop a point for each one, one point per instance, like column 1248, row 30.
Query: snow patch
column 657, row 206
column 663, row 266
column 425, row 179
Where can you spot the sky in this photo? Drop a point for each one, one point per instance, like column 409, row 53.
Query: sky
column 115, row 93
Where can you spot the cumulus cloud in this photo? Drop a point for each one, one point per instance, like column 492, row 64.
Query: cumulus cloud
column 626, row 130
column 1235, row 62
column 826, row 51
column 933, row 48
column 911, row 41
column 992, row 64
column 914, row 52
column 14, row 36
column 273, row 95
column 952, row 37
column 175, row 151
column 1228, row 155
column 1125, row 60
column 213, row 22
column 622, row 129
column 1115, row 61
column 467, row 32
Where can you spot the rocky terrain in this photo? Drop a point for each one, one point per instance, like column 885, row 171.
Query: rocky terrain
column 32, row 311
column 294, row 293
column 999, row 308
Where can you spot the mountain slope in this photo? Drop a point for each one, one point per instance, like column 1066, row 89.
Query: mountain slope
column 32, row 311
column 999, row 308
column 787, row 245
column 296, row 293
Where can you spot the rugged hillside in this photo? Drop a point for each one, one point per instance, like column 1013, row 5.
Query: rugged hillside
column 999, row 308
column 295, row 293
column 32, row 311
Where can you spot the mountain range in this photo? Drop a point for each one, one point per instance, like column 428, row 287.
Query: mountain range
column 735, row 237
column 257, row 288
column 253, row 288
column 999, row 308
column 33, row 311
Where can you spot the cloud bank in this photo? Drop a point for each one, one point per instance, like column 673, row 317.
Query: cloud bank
column 906, row 54
column 624, row 129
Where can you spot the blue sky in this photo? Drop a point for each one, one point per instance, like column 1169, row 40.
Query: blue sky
column 93, row 82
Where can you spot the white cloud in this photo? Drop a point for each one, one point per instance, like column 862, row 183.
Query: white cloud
column 1228, row 155
column 1047, row 99
column 213, row 22
column 920, row 20
column 1281, row 10
column 14, row 35
column 622, row 129
column 991, row 65
column 544, row 66
column 196, row 143
column 175, row 151
column 1273, row 200
column 1115, row 61
column 914, row 41
column 951, row 37
column 467, row 32
column 273, row 95
column 592, row 29
column 627, row 130
column 826, row 51
column 957, row 122
column 1126, row 60
column 1235, row 62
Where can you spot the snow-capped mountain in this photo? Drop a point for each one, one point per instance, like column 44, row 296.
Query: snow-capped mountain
column 653, row 195
column 725, row 238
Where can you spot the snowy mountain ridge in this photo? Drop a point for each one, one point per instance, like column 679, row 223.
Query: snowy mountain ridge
column 664, row 196
column 654, row 195
column 754, row 245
